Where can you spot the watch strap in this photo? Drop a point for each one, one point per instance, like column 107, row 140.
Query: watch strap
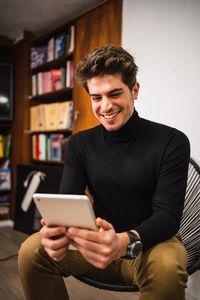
column 134, row 240
column 133, row 237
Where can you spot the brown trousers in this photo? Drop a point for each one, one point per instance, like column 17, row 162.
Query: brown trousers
column 159, row 272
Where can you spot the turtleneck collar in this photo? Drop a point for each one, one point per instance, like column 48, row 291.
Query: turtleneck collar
column 127, row 132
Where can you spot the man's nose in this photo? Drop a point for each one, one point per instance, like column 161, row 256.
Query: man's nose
column 106, row 104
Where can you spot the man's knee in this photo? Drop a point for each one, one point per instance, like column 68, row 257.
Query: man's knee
column 168, row 257
column 26, row 255
column 166, row 264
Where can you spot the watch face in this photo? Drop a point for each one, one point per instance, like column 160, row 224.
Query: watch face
column 134, row 249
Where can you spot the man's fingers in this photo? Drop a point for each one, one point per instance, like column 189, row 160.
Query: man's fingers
column 103, row 224
column 55, row 244
column 49, row 232
column 97, row 259
column 42, row 222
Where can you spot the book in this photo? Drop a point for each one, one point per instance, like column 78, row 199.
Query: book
column 33, row 118
column 4, row 212
column 63, row 78
column 56, row 79
column 60, row 45
column 51, row 115
column 35, row 146
column 4, row 200
column 55, row 151
column 39, row 81
column 70, row 39
column 8, row 145
column 39, row 56
column 1, row 146
column 37, row 117
column 69, row 73
column 34, row 85
column 51, row 45
column 5, row 179
column 63, row 115
column 42, row 143
column 71, row 115
column 46, row 82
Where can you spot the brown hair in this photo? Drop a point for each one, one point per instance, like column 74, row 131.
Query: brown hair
column 107, row 59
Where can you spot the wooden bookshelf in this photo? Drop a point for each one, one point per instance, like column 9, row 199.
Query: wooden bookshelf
column 95, row 27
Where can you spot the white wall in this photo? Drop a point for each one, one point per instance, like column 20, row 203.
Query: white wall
column 164, row 38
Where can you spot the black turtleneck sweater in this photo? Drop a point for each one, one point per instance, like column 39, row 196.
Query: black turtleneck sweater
column 137, row 176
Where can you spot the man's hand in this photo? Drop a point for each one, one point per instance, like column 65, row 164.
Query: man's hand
column 101, row 247
column 55, row 248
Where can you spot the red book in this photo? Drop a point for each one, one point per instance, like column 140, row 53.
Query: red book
column 69, row 73
column 37, row 151
column 56, row 79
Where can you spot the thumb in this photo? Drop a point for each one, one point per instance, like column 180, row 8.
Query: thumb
column 103, row 224
column 42, row 222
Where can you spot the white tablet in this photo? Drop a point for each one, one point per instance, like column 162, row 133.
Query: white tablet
column 66, row 210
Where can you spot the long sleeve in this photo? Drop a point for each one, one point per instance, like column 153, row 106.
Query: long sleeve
column 168, row 199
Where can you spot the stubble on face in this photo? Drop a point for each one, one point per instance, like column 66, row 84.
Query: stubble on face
column 112, row 100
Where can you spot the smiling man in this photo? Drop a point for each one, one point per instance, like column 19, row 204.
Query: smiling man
column 136, row 171
column 112, row 106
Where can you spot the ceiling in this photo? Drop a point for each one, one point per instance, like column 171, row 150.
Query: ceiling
column 37, row 16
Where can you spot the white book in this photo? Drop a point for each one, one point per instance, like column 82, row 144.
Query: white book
column 72, row 39
column 42, row 146
column 51, row 44
column 34, row 86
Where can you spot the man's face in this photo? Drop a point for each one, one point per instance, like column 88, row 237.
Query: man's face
column 112, row 100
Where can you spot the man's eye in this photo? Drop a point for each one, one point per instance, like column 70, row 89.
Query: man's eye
column 115, row 95
column 96, row 98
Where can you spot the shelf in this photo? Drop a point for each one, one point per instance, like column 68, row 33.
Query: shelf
column 49, row 162
column 56, row 95
column 68, row 131
column 5, row 124
column 2, row 159
column 2, row 192
column 56, row 63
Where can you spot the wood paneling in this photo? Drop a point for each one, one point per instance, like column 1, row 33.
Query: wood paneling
column 20, row 147
column 98, row 27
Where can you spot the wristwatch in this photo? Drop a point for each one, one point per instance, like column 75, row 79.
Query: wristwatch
column 134, row 247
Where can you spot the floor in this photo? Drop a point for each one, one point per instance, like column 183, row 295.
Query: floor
column 10, row 286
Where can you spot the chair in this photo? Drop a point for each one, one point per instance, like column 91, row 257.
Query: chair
column 189, row 229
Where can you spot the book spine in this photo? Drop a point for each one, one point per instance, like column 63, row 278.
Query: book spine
column 8, row 146
column 1, row 146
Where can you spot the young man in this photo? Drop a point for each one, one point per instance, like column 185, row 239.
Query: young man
column 136, row 171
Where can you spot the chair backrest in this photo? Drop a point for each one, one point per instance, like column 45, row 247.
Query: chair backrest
column 190, row 223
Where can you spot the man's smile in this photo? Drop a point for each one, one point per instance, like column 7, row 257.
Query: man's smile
column 110, row 116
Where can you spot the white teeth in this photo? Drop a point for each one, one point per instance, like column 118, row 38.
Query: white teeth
column 110, row 116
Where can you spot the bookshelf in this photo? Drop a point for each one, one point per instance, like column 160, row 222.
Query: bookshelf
column 95, row 27
column 51, row 105
column 5, row 172
column 5, row 145
column 105, row 17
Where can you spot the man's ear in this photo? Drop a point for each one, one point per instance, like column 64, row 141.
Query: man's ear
column 135, row 90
